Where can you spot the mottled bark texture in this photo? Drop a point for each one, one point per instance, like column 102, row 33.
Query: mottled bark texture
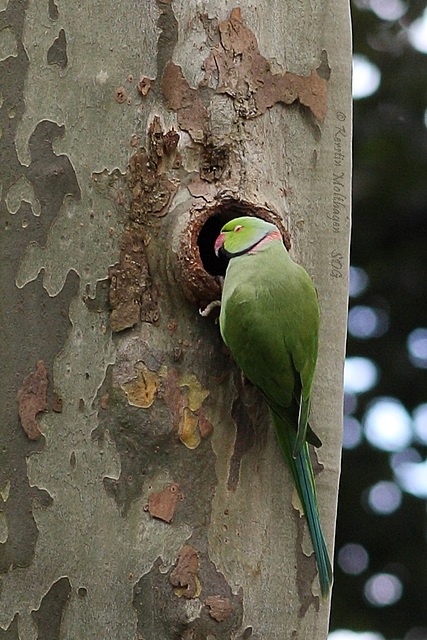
column 143, row 494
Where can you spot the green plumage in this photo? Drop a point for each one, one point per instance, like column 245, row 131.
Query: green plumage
column 270, row 320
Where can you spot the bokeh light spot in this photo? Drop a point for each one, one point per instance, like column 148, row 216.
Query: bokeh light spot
column 417, row 347
column 388, row 9
column 366, row 77
column 362, row 321
column 387, row 424
column 360, row 374
column 353, row 559
column 419, row 416
column 359, row 281
column 366, row 322
column 383, row 590
column 346, row 634
column 417, row 33
column 412, row 477
column 353, row 433
column 384, row 497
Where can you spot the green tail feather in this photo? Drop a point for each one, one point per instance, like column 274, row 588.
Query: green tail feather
column 302, row 473
column 306, row 491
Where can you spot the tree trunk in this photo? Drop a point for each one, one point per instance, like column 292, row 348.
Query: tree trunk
column 143, row 491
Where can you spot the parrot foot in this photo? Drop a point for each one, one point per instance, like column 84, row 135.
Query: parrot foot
column 206, row 311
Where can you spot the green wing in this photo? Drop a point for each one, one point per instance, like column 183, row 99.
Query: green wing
column 269, row 320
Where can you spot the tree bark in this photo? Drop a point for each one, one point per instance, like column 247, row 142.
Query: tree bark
column 143, row 491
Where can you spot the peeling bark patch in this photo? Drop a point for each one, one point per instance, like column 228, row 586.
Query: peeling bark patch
column 120, row 95
column 32, row 399
column 196, row 394
column 187, row 431
column 191, row 112
column 307, row 571
column 324, row 70
column 48, row 617
column 205, row 426
column 57, row 53
column 236, row 68
column 144, row 86
column 151, row 190
column 317, row 466
column 171, row 394
column 162, row 505
column 159, row 616
column 219, row 608
column 168, row 25
column 52, row 176
column 246, row 76
column 170, row 141
column 4, row 492
column 142, row 391
column 215, row 161
column 184, row 576
column 184, row 397
column 161, row 144
column 53, row 10
column 8, row 44
column 11, row 633
column 131, row 296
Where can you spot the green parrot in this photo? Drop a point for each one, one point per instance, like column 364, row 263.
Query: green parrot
column 269, row 320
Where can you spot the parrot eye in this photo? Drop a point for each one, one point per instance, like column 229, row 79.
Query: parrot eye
column 238, row 227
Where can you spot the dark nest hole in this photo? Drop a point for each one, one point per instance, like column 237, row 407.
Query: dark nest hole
column 206, row 240
column 212, row 227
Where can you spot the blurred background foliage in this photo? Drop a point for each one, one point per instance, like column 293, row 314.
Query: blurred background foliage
column 381, row 562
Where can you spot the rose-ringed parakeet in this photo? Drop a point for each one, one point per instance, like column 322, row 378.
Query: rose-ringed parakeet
column 269, row 320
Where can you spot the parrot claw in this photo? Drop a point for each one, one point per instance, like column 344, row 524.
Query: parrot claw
column 206, row 311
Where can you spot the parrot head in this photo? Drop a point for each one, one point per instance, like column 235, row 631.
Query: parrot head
column 242, row 235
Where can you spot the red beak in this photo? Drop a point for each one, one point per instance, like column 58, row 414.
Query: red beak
column 218, row 243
